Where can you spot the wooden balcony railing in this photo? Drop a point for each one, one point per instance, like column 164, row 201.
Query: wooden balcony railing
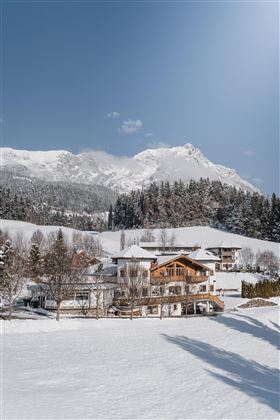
column 156, row 300
column 187, row 279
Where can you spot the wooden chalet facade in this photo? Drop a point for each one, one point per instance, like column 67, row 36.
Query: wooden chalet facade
column 179, row 268
column 177, row 285
column 165, row 285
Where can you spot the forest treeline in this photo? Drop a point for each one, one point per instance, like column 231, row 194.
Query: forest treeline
column 164, row 205
column 15, row 207
column 198, row 203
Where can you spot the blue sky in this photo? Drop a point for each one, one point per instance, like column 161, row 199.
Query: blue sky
column 124, row 76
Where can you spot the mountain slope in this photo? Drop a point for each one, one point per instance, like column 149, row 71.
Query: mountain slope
column 120, row 173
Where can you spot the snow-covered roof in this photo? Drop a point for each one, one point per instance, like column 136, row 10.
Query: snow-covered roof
column 135, row 251
column 162, row 259
column 107, row 270
column 203, row 255
column 224, row 244
column 175, row 245
column 91, row 269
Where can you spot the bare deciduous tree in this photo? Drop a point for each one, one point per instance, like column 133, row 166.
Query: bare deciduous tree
column 98, row 291
column 132, row 284
column 122, row 240
column 187, row 288
column 163, row 239
column 172, row 239
column 161, row 290
column 4, row 236
column 267, row 260
column 83, row 297
column 247, row 257
column 148, row 236
column 88, row 242
column 12, row 273
column 37, row 238
column 61, row 277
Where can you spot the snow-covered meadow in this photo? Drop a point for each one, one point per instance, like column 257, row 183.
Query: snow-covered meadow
column 196, row 368
column 218, row 367
column 198, row 235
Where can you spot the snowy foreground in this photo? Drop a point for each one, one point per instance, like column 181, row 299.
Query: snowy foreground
column 196, row 368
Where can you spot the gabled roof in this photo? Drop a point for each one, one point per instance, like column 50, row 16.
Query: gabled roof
column 224, row 244
column 203, row 255
column 135, row 251
column 162, row 259
column 167, row 259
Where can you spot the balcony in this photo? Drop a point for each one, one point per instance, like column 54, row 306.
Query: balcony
column 180, row 278
column 156, row 300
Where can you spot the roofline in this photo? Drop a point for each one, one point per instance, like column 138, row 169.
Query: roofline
column 136, row 258
column 180, row 256
column 225, row 247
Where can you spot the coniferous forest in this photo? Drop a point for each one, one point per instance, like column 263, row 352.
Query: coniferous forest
column 164, row 205
column 21, row 207
column 198, row 203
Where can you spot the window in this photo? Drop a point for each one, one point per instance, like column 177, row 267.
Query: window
column 177, row 290
column 121, row 273
column 162, row 290
column 171, row 290
column 179, row 271
column 170, row 271
column 82, row 295
column 152, row 310
column 145, row 291
column 175, row 307
column 202, row 288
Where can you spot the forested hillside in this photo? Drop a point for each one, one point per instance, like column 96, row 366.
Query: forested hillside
column 197, row 203
column 43, row 212
column 54, row 203
column 201, row 203
column 73, row 197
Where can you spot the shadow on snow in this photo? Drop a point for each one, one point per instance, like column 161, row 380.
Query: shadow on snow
column 251, row 326
column 258, row 381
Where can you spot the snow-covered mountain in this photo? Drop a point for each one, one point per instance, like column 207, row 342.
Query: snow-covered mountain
column 119, row 173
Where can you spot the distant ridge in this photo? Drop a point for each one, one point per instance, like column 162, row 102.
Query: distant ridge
column 120, row 174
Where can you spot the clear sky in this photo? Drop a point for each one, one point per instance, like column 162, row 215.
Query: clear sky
column 122, row 76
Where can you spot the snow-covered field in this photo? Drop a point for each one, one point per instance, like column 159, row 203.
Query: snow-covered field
column 201, row 235
column 222, row 367
column 195, row 368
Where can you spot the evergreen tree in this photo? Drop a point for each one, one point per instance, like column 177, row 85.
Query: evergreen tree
column 34, row 262
column 199, row 203
column 110, row 218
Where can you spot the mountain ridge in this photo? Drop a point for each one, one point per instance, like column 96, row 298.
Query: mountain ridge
column 121, row 174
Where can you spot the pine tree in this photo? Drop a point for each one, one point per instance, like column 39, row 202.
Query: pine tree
column 34, row 262
column 110, row 218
